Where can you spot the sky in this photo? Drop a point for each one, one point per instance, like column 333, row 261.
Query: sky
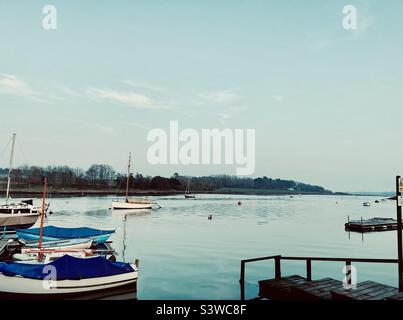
column 325, row 102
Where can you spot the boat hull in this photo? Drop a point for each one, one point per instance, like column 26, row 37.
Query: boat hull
column 33, row 237
column 19, row 221
column 60, row 245
column 24, row 288
column 131, row 206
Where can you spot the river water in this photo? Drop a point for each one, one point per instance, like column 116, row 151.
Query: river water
column 183, row 255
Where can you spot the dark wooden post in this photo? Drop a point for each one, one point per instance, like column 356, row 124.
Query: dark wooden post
column 309, row 270
column 242, row 280
column 277, row 264
column 399, row 234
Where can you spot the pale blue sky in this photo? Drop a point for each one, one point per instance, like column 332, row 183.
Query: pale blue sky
column 325, row 102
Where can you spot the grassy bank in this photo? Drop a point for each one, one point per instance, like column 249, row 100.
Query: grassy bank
column 37, row 192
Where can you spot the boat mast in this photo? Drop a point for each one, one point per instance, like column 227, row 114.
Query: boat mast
column 45, row 180
column 128, row 178
column 10, row 168
column 188, row 187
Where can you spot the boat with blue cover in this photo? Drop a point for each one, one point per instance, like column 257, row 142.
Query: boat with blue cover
column 51, row 233
column 65, row 277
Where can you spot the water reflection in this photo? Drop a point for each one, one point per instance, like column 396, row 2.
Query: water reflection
column 186, row 256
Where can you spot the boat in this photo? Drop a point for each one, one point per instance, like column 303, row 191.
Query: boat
column 65, row 244
column 188, row 195
column 74, row 277
column 31, row 257
column 366, row 204
column 132, row 204
column 22, row 214
column 52, row 233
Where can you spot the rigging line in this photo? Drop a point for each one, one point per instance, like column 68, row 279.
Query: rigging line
column 22, row 151
column 5, row 148
column 118, row 187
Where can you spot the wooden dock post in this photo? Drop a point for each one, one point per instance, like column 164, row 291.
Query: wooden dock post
column 309, row 270
column 399, row 234
column 277, row 267
column 242, row 280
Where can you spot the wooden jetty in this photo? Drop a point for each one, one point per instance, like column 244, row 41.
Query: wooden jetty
column 371, row 225
column 296, row 287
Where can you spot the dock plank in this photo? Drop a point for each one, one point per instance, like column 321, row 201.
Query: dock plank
column 279, row 289
column 367, row 290
column 316, row 290
column 398, row 296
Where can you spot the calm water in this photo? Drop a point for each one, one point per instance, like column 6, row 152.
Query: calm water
column 183, row 255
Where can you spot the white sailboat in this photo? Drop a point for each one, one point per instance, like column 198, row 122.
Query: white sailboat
column 22, row 214
column 132, row 204
column 188, row 195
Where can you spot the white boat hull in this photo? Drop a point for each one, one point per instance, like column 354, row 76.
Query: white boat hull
column 58, row 245
column 131, row 206
column 24, row 286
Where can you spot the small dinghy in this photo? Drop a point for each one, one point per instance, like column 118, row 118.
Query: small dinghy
column 66, row 277
column 51, row 233
column 31, row 256
column 366, row 204
column 67, row 244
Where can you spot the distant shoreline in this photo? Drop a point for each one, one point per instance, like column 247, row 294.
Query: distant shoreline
column 94, row 192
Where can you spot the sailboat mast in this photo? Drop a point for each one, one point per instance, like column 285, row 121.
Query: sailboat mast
column 188, row 187
column 128, row 177
column 10, row 168
column 45, row 180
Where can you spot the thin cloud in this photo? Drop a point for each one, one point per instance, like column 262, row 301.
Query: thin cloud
column 128, row 98
column 142, row 85
column 12, row 85
column 220, row 97
column 132, row 99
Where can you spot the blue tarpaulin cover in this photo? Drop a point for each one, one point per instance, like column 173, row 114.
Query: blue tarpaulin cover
column 66, row 233
column 67, row 268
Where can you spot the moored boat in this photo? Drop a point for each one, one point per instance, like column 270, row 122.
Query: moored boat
column 21, row 214
column 188, row 195
column 65, row 244
column 132, row 204
column 52, row 233
column 65, row 277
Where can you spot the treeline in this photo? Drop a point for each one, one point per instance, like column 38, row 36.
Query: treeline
column 103, row 176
